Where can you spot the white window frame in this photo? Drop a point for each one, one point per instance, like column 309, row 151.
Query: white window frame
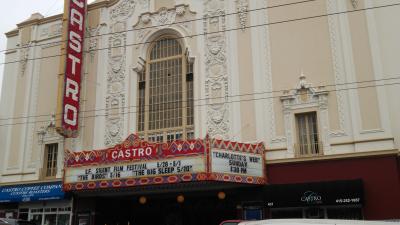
column 305, row 98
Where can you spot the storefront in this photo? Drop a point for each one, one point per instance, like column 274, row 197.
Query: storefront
column 43, row 203
column 166, row 183
column 373, row 180
column 334, row 200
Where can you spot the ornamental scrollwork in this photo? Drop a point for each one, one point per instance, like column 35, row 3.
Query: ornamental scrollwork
column 216, row 70
column 242, row 8
column 123, row 10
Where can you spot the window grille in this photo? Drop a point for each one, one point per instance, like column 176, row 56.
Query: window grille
column 51, row 152
column 165, row 94
column 307, row 134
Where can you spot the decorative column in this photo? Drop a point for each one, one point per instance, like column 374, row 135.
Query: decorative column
column 116, row 93
column 216, row 70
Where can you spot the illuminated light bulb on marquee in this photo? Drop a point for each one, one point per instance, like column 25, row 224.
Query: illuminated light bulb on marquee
column 142, row 200
column 221, row 195
column 180, row 198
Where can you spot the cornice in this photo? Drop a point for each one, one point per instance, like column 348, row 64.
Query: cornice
column 40, row 21
column 51, row 19
column 275, row 149
column 341, row 143
column 93, row 6
column 12, row 33
column 363, row 141
column 29, row 23
column 392, row 152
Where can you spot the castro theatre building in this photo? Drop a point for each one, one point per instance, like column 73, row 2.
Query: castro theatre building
column 124, row 112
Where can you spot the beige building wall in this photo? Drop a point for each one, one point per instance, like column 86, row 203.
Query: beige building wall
column 367, row 95
column 246, row 77
column 388, row 55
column 7, row 102
column 32, row 89
column 354, row 47
column 300, row 46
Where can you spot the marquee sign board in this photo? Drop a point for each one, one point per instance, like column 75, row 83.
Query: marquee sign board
column 137, row 162
column 167, row 167
column 236, row 163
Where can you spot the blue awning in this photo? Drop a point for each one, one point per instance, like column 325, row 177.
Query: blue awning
column 31, row 192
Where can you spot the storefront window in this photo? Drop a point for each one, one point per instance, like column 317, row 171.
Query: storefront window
column 349, row 213
column 344, row 213
column 253, row 214
column 63, row 219
column 37, row 219
column 23, row 214
column 50, row 219
column 50, row 216
column 286, row 213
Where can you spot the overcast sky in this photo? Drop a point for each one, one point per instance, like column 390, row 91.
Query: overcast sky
column 16, row 11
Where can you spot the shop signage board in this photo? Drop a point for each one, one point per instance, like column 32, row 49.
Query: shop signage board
column 342, row 192
column 70, row 88
column 136, row 162
column 31, row 192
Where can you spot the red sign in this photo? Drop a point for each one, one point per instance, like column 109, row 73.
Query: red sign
column 73, row 70
column 134, row 149
column 131, row 153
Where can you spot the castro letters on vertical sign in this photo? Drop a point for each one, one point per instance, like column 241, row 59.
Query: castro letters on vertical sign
column 76, row 28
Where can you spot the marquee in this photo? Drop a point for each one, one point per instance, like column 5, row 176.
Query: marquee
column 136, row 162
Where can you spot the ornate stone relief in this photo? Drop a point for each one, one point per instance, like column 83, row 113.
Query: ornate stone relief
column 47, row 131
column 115, row 96
column 144, row 5
column 164, row 18
column 354, row 3
column 123, row 10
column 242, row 8
column 164, row 21
column 338, row 65
column 93, row 39
column 304, row 96
column 217, row 89
column 23, row 57
column 48, row 135
column 51, row 31
column 115, row 88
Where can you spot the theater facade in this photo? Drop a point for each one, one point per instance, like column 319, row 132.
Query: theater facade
column 197, row 181
column 124, row 112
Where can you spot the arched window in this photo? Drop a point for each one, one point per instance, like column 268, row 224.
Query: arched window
column 165, row 93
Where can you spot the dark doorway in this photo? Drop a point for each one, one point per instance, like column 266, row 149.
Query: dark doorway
column 164, row 210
